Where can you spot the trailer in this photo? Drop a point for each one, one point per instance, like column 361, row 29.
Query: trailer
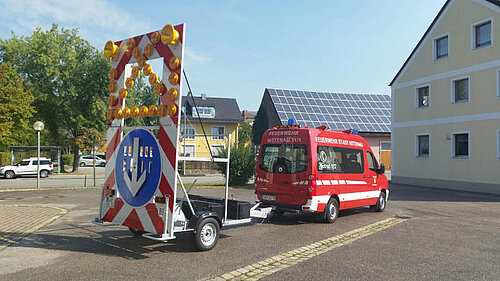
column 141, row 173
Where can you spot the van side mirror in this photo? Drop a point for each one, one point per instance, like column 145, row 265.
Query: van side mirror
column 381, row 170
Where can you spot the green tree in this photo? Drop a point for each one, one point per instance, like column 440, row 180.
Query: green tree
column 69, row 80
column 141, row 94
column 16, row 109
column 244, row 133
column 242, row 164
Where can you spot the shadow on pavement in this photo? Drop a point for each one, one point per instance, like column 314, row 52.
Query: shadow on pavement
column 118, row 243
column 400, row 192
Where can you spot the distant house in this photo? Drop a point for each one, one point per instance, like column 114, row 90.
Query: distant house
column 248, row 116
column 446, row 102
column 369, row 114
column 219, row 116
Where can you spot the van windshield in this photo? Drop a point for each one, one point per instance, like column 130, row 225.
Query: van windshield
column 283, row 158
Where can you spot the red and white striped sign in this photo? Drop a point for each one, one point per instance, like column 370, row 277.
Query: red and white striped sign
column 147, row 217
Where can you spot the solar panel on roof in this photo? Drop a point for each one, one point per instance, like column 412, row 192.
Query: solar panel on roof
column 364, row 112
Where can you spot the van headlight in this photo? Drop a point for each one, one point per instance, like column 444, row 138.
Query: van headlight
column 1, row 170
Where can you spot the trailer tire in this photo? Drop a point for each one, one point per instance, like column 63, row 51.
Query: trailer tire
column 207, row 234
column 381, row 203
column 331, row 212
column 136, row 231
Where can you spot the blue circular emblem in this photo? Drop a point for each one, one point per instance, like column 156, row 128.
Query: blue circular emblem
column 138, row 167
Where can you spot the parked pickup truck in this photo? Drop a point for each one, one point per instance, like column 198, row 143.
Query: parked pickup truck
column 28, row 167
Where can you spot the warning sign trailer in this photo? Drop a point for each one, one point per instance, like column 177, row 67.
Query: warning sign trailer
column 140, row 190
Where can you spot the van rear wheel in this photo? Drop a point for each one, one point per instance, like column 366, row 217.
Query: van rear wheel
column 331, row 212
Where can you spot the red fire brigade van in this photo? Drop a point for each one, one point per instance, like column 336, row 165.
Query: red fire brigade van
column 317, row 170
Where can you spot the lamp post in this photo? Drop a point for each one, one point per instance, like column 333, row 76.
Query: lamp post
column 38, row 126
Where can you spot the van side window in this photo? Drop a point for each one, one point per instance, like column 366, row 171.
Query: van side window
column 372, row 162
column 340, row 160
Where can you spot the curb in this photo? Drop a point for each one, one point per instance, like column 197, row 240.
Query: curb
column 34, row 228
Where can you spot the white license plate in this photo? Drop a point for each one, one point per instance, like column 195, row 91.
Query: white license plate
column 269, row 197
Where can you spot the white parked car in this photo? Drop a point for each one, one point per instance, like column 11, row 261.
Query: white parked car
column 86, row 160
column 28, row 167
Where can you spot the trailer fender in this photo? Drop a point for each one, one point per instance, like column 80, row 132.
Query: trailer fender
column 198, row 217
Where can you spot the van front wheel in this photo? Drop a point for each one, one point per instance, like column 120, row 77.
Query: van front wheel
column 331, row 212
column 381, row 202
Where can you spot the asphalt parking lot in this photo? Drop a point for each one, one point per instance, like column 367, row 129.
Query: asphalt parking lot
column 452, row 235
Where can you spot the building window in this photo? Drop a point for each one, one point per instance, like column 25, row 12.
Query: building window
column 460, row 90
column 385, row 145
column 498, row 144
column 498, row 83
column 460, row 145
column 218, row 132
column 188, row 132
column 423, row 145
column 187, row 150
column 441, row 47
column 217, row 149
column 205, row 112
column 481, row 34
column 422, row 97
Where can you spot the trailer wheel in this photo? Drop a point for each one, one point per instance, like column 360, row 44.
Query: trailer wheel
column 136, row 231
column 381, row 202
column 331, row 212
column 207, row 234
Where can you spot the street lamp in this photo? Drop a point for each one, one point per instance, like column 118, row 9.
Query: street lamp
column 38, row 126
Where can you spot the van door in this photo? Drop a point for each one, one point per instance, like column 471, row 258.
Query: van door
column 371, row 176
column 352, row 181
column 286, row 166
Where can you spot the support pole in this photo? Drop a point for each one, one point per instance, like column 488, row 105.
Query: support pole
column 38, row 162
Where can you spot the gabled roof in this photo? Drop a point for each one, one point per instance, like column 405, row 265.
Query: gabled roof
column 368, row 113
column 496, row 2
column 226, row 109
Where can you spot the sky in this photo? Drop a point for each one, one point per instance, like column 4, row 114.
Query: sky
column 236, row 49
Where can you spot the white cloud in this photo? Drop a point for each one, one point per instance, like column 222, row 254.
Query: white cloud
column 196, row 56
column 88, row 14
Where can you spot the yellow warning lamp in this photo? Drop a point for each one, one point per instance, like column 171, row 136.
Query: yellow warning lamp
column 110, row 113
column 131, row 44
column 118, row 113
column 141, row 61
column 113, row 73
column 155, row 37
column 148, row 50
column 111, row 100
column 172, row 109
column 162, row 110
column 152, row 111
column 173, row 78
column 169, row 35
column 129, row 83
column 112, row 87
column 143, row 111
column 111, row 50
column 136, row 71
column 158, row 88
column 134, row 111
column 122, row 93
column 172, row 94
column 173, row 63
column 126, row 112
column 153, row 79
column 136, row 52
column 147, row 69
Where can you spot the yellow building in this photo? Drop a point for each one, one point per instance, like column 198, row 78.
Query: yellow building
column 446, row 102
column 219, row 117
